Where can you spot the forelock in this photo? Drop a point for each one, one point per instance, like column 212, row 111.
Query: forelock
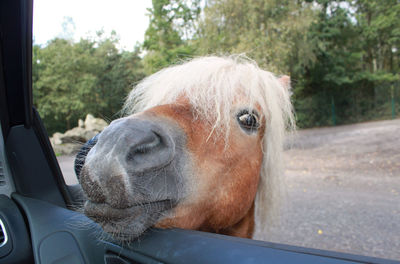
column 213, row 87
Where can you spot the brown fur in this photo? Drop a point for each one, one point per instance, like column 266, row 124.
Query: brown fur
column 225, row 179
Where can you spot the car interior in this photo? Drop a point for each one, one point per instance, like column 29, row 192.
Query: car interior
column 36, row 220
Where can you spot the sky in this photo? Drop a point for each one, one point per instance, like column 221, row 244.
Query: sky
column 127, row 17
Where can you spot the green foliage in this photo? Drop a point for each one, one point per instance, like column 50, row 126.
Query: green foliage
column 343, row 56
column 271, row 31
column 337, row 52
column 73, row 79
column 379, row 25
column 167, row 39
column 349, row 68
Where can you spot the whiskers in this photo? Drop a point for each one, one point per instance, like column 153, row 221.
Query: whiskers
column 123, row 232
column 108, row 119
column 80, row 221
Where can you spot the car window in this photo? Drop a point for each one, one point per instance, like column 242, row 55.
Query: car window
column 341, row 185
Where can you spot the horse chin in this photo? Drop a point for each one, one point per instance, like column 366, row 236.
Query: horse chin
column 127, row 224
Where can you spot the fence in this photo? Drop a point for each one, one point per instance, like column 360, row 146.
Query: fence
column 346, row 106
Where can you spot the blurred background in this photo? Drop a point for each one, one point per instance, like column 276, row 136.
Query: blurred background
column 343, row 166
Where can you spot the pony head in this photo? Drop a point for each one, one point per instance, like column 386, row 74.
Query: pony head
column 200, row 148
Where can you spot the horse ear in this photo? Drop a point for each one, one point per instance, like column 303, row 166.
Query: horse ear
column 285, row 82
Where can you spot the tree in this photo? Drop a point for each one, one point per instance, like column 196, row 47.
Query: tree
column 348, row 80
column 168, row 37
column 379, row 25
column 335, row 66
column 267, row 31
column 74, row 79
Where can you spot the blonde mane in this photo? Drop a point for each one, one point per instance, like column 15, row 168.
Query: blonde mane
column 213, row 85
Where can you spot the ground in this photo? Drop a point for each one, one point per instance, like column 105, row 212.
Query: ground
column 343, row 189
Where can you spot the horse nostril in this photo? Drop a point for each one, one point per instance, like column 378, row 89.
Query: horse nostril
column 133, row 146
column 148, row 143
column 146, row 147
column 150, row 147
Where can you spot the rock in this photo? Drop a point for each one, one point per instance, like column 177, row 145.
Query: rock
column 71, row 141
column 77, row 135
column 56, row 139
column 81, row 123
column 94, row 124
column 66, row 149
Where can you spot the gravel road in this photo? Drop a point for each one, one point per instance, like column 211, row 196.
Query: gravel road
column 343, row 189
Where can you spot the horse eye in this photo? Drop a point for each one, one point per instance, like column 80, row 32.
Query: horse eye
column 248, row 121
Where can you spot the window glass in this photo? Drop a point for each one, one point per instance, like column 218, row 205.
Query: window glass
column 342, row 166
